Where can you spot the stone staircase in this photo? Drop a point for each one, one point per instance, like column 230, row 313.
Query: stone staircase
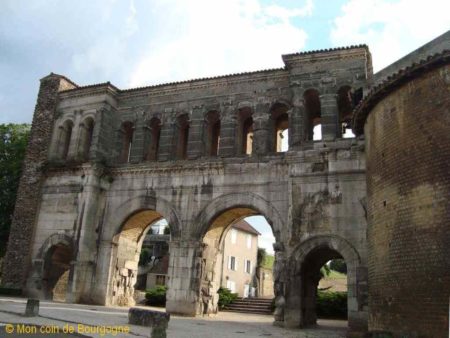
column 250, row 305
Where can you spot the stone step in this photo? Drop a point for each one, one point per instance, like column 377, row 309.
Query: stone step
column 232, row 306
column 245, row 310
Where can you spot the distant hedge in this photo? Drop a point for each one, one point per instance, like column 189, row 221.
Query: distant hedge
column 156, row 296
column 10, row 292
column 332, row 304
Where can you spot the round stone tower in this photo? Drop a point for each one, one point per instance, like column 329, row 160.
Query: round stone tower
column 406, row 123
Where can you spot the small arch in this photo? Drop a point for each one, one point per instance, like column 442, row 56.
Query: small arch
column 345, row 111
column 65, row 135
column 127, row 130
column 212, row 121
column 245, row 130
column 306, row 261
column 56, row 253
column 183, row 136
column 152, row 148
column 280, row 127
column 86, row 134
column 313, row 115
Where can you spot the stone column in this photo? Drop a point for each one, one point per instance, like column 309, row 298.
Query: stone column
column 297, row 118
column 166, row 142
column 185, row 271
column 95, row 150
column 17, row 260
column 92, row 202
column 227, row 143
column 279, row 270
column 137, row 146
column 329, row 116
column 195, row 146
column 261, row 129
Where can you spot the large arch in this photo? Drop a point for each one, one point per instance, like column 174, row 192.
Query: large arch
column 311, row 254
column 211, row 227
column 146, row 202
column 231, row 207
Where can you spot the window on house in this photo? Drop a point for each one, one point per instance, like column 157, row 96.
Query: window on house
column 280, row 126
column 65, row 137
column 232, row 263
column 86, row 133
column 155, row 135
column 249, row 241
column 233, row 236
column 345, row 103
column 248, row 266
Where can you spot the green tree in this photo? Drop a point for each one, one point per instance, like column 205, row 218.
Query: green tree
column 338, row 265
column 13, row 143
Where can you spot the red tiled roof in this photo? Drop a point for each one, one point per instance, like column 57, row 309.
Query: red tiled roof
column 244, row 226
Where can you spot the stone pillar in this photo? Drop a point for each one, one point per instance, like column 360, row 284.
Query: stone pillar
column 95, row 150
column 261, row 129
column 17, row 260
column 329, row 116
column 297, row 118
column 166, row 142
column 195, row 146
column 185, row 271
column 81, row 276
column 279, row 270
column 137, row 146
column 227, row 144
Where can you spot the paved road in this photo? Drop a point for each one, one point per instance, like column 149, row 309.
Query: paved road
column 88, row 318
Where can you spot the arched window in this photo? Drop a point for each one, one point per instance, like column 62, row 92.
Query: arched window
column 127, row 140
column 86, row 133
column 313, row 115
column 155, row 135
column 345, row 109
column 212, row 133
column 245, row 134
column 64, row 138
column 183, row 136
column 280, row 131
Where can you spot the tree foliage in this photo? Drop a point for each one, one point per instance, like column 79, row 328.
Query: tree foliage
column 13, row 142
column 338, row 265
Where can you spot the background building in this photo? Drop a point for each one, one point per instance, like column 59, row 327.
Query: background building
column 240, row 258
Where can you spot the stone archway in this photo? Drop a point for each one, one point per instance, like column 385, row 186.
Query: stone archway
column 200, row 260
column 304, row 266
column 50, row 276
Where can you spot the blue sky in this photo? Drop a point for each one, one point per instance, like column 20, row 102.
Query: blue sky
column 141, row 42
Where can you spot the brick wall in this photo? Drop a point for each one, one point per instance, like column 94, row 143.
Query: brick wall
column 408, row 186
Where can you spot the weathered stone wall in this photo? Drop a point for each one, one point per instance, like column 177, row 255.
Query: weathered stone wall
column 407, row 123
column 313, row 195
column 17, row 260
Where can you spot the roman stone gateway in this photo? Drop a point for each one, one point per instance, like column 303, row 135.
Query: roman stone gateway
column 104, row 163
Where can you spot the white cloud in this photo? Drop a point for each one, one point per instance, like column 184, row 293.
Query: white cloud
column 206, row 38
column 392, row 29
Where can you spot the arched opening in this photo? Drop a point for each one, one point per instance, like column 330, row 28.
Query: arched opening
column 345, row 110
column 154, row 136
column 133, row 268
column 127, row 141
column 65, row 135
column 56, row 272
column 280, row 127
column 230, row 259
column 322, row 294
column 183, row 136
column 212, row 121
column 245, row 134
column 313, row 115
column 86, row 133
